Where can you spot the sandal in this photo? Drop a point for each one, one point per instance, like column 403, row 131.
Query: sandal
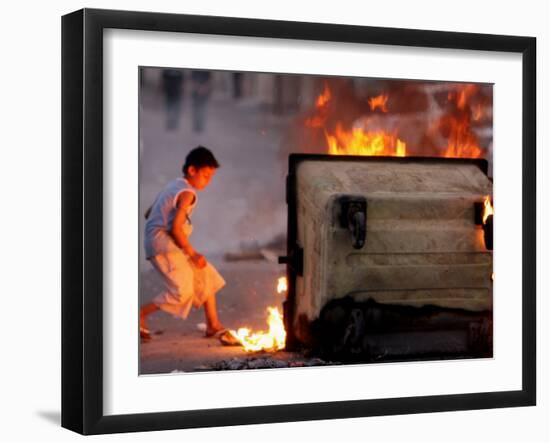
column 144, row 333
column 228, row 339
column 216, row 333
column 225, row 336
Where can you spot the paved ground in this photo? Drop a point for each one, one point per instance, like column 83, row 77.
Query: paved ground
column 243, row 206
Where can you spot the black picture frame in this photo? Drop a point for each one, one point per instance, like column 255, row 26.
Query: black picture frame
column 82, row 219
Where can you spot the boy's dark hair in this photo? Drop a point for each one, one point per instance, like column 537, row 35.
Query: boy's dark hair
column 199, row 158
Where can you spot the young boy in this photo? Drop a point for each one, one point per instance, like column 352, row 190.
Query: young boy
column 188, row 278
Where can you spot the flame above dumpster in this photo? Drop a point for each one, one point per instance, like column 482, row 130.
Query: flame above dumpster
column 359, row 142
column 448, row 128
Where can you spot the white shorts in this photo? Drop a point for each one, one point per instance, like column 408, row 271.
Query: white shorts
column 185, row 284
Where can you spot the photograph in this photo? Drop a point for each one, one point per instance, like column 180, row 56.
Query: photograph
column 296, row 220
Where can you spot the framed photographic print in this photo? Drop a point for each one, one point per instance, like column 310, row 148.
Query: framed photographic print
column 270, row 221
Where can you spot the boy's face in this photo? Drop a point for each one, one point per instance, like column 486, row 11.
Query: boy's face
column 199, row 178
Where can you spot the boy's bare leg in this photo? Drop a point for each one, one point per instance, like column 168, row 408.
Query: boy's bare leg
column 145, row 311
column 213, row 323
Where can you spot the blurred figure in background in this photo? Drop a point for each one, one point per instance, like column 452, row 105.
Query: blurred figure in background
column 172, row 85
column 237, row 85
column 201, row 81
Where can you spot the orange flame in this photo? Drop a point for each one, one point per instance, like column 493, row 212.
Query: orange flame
column 462, row 141
column 272, row 340
column 282, row 285
column 378, row 102
column 487, row 209
column 324, row 98
column 464, row 95
column 360, row 142
column 357, row 141
column 321, row 104
column 455, row 127
column 478, row 113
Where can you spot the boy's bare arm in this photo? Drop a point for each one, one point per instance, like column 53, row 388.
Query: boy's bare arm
column 185, row 200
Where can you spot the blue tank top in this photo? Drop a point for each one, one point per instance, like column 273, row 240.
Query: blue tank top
column 158, row 226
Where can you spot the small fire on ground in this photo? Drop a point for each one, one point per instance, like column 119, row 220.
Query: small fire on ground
column 271, row 340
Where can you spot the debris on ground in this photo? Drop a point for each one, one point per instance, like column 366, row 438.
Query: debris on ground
column 243, row 255
column 263, row 362
column 269, row 251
